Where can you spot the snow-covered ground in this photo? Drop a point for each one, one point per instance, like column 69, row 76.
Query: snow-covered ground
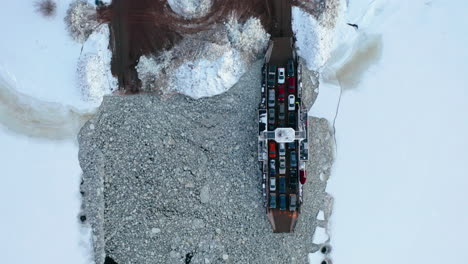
column 314, row 39
column 40, row 201
column 399, row 179
column 42, row 57
column 212, row 67
column 42, row 95
column 190, row 8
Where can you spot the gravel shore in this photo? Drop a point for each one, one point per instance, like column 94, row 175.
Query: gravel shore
column 176, row 180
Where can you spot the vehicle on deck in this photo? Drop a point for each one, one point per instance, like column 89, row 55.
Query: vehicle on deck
column 292, row 119
column 281, row 75
column 272, row 149
column 272, row 200
column 282, row 202
column 290, row 68
column 291, row 102
column 271, row 116
column 293, row 159
column 271, row 98
column 282, row 149
column 282, row 165
column 272, row 167
column 281, row 92
column 282, row 184
column 291, row 85
column 282, row 112
column 293, row 183
column 271, row 76
column 292, row 202
column 291, row 145
column 262, row 120
column 272, row 184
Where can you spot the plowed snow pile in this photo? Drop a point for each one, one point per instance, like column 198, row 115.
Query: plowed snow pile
column 212, row 67
column 315, row 37
column 190, row 8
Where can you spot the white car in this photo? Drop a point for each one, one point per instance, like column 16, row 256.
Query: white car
column 282, row 149
column 281, row 75
column 291, row 102
column 272, row 184
column 282, row 165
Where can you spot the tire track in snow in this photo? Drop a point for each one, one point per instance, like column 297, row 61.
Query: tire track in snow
column 33, row 117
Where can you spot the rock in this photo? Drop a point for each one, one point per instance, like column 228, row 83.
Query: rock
column 205, row 194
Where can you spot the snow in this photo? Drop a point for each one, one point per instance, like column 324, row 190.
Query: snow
column 190, row 8
column 40, row 97
column 320, row 235
column 249, row 38
column 315, row 38
column 30, row 116
column 216, row 67
column 321, row 215
column 41, row 56
column 94, row 74
column 203, row 77
column 399, row 178
column 325, row 106
column 39, row 201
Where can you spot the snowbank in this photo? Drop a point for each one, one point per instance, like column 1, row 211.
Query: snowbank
column 94, row 71
column 315, row 38
column 203, row 77
column 33, row 117
column 190, row 8
column 212, row 68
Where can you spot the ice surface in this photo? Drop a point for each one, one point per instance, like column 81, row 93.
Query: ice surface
column 40, row 202
column 401, row 133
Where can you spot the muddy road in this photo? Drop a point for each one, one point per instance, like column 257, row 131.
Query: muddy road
column 143, row 27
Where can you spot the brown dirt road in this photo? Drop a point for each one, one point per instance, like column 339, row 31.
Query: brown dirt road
column 142, row 27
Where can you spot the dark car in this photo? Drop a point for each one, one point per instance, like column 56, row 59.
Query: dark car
column 282, row 202
column 282, row 112
column 271, row 116
column 290, row 68
column 271, row 76
column 292, row 145
column 293, row 183
column 292, row 202
column 282, row 184
column 292, row 119
column 272, row 200
column 271, row 97
column 293, row 159
column 281, row 92
column 291, row 85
